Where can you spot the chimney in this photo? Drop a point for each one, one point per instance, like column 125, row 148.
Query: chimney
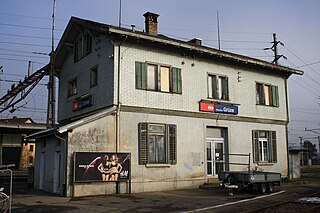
column 151, row 23
column 197, row 41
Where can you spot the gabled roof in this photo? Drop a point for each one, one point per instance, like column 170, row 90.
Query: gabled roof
column 76, row 24
column 16, row 125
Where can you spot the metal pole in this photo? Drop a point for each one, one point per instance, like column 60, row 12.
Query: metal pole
column 51, row 95
column 275, row 49
column 10, row 190
column 218, row 24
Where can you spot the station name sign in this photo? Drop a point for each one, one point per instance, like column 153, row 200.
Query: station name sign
column 81, row 103
column 218, row 108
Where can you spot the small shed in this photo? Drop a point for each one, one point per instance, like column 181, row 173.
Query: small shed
column 295, row 154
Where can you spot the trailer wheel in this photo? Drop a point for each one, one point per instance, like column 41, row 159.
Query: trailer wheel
column 270, row 187
column 231, row 179
column 263, row 188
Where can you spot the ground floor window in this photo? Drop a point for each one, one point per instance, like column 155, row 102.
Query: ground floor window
column 157, row 143
column 264, row 146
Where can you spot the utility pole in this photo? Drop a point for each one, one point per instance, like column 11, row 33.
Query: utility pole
column 218, row 25
column 51, row 86
column 274, row 48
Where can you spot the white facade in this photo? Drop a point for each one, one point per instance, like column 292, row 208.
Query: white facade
column 201, row 140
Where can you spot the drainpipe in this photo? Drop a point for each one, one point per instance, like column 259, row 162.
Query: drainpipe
column 118, row 98
column 287, row 109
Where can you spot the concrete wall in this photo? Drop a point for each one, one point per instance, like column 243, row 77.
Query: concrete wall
column 191, row 140
column 194, row 83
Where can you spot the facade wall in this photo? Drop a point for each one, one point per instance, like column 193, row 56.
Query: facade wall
column 190, row 170
column 101, row 55
column 97, row 136
column 242, row 83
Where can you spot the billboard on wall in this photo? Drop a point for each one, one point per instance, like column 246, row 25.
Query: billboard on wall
column 101, row 166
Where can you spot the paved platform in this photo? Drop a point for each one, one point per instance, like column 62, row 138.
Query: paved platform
column 189, row 200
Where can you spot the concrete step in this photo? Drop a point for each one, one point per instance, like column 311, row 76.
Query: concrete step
column 210, row 186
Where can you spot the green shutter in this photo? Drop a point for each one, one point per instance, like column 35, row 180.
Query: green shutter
column 143, row 140
column 176, row 80
column 141, row 75
column 172, row 133
column 274, row 146
column 275, row 96
column 255, row 145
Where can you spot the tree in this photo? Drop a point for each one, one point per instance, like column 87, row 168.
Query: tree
column 312, row 151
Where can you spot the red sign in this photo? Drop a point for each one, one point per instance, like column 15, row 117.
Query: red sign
column 206, row 107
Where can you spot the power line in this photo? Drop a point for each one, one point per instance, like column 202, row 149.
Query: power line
column 22, row 51
column 28, row 26
column 13, row 59
column 33, row 17
column 19, row 55
column 25, row 44
column 26, row 36
column 317, row 62
column 305, row 88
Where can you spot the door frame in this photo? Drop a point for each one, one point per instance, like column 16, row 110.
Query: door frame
column 213, row 141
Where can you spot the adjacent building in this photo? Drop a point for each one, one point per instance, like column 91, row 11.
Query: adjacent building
column 14, row 147
column 177, row 109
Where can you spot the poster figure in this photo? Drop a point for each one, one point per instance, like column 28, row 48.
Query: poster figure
column 115, row 167
column 104, row 167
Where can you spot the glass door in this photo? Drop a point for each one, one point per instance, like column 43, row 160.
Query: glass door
column 215, row 157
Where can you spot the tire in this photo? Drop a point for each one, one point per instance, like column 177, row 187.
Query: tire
column 231, row 179
column 263, row 188
column 270, row 187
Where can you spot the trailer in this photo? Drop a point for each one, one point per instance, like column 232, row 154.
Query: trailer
column 263, row 181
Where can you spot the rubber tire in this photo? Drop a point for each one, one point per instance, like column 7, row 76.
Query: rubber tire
column 231, row 179
column 270, row 187
column 263, row 188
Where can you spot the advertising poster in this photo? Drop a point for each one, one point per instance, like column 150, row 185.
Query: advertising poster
column 101, row 166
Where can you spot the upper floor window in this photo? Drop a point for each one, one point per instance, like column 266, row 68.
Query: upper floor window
column 94, row 76
column 267, row 94
column 72, row 87
column 158, row 77
column 264, row 146
column 82, row 46
column 157, row 143
column 218, row 87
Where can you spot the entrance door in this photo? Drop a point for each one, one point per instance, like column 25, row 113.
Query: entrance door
column 42, row 170
column 57, row 173
column 215, row 157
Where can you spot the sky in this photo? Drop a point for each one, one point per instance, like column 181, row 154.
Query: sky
column 246, row 28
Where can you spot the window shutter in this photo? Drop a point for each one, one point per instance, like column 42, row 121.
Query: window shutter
column 260, row 94
column 176, row 80
column 275, row 96
column 274, row 146
column 172, row 144
column 225, row 89
column 214, row 87
column 143, row 140
column 141, row 75
column 255, row 145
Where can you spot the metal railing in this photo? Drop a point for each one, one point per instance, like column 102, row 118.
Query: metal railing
column 3, row 169
column 236, row 163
